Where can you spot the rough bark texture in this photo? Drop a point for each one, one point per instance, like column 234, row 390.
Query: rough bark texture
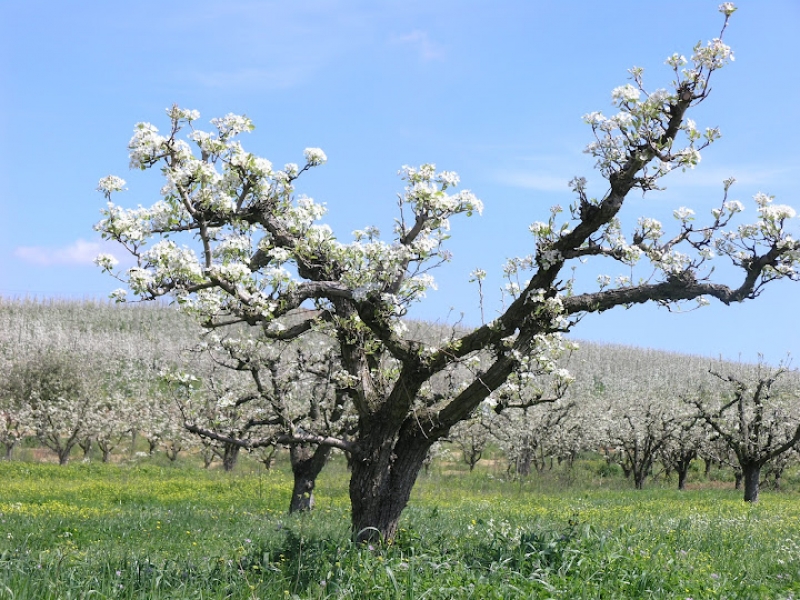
column 307, row 463
column 383, row 475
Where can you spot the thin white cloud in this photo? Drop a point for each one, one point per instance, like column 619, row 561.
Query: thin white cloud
column 765, row 178
column 278, row 45
column 534, row 181
column 79, row 253
column 419, row 40
column 752, row 175
column 255, row 78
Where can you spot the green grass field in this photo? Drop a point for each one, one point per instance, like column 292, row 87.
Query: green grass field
column 163, row 531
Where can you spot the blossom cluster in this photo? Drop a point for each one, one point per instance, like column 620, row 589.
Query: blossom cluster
column 245, row 229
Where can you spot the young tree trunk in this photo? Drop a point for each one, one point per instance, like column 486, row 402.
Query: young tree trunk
column 86, row 446
column 682, row 467
column 738, row 475
column 383, row 473
column 134, row 434
column 307, row 463
column 230, row 456
column 638, row 470
column 683, row 472
column 751, row 473
column 105, row 447
column 777, row 480
column 9, row 446
column 172, row 450
column 208, row 454
column 471, row 456
column 523, row 466
column 268, row 458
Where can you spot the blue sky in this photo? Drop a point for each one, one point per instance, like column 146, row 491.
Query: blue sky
column 493, row 90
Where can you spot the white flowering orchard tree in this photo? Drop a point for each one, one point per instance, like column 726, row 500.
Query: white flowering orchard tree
column 641, row 415
column 256, row 252
column 471, row 437
column 59, row 394
column 754, row 411
column 242, row 392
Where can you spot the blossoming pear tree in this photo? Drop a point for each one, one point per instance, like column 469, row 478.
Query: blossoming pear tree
column 754, row 413
column 241, row 391
column 232, row 241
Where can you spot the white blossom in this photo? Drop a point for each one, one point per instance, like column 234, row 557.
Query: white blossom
column 111, row 183
column 178, row 113
column 733, row 206
column 775, row 212
column 232, row 124
column 107, row 262
column 625, row 94
column 477, row 275
column 118, row 295
column 315, row 156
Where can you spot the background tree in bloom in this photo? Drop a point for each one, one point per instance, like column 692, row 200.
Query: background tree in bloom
column 755, row 414
column 239, row 392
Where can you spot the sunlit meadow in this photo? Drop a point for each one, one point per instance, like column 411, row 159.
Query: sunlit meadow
column 148, row 530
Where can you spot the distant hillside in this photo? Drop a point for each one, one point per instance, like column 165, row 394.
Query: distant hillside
column 139, row 329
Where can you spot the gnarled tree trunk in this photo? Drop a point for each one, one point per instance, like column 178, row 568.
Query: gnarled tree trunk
column 384, row 471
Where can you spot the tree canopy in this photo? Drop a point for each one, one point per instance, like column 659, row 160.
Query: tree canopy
column 232, row 241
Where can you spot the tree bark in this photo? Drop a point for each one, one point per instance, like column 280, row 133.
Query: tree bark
column 307, row 463
column 682, row 467
column 683, row 473
column 639, row 477
column 105, row 449
column 230, row 456
column 9, row 446
column 383, row 474
column 751, row 473
column 86, row 446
